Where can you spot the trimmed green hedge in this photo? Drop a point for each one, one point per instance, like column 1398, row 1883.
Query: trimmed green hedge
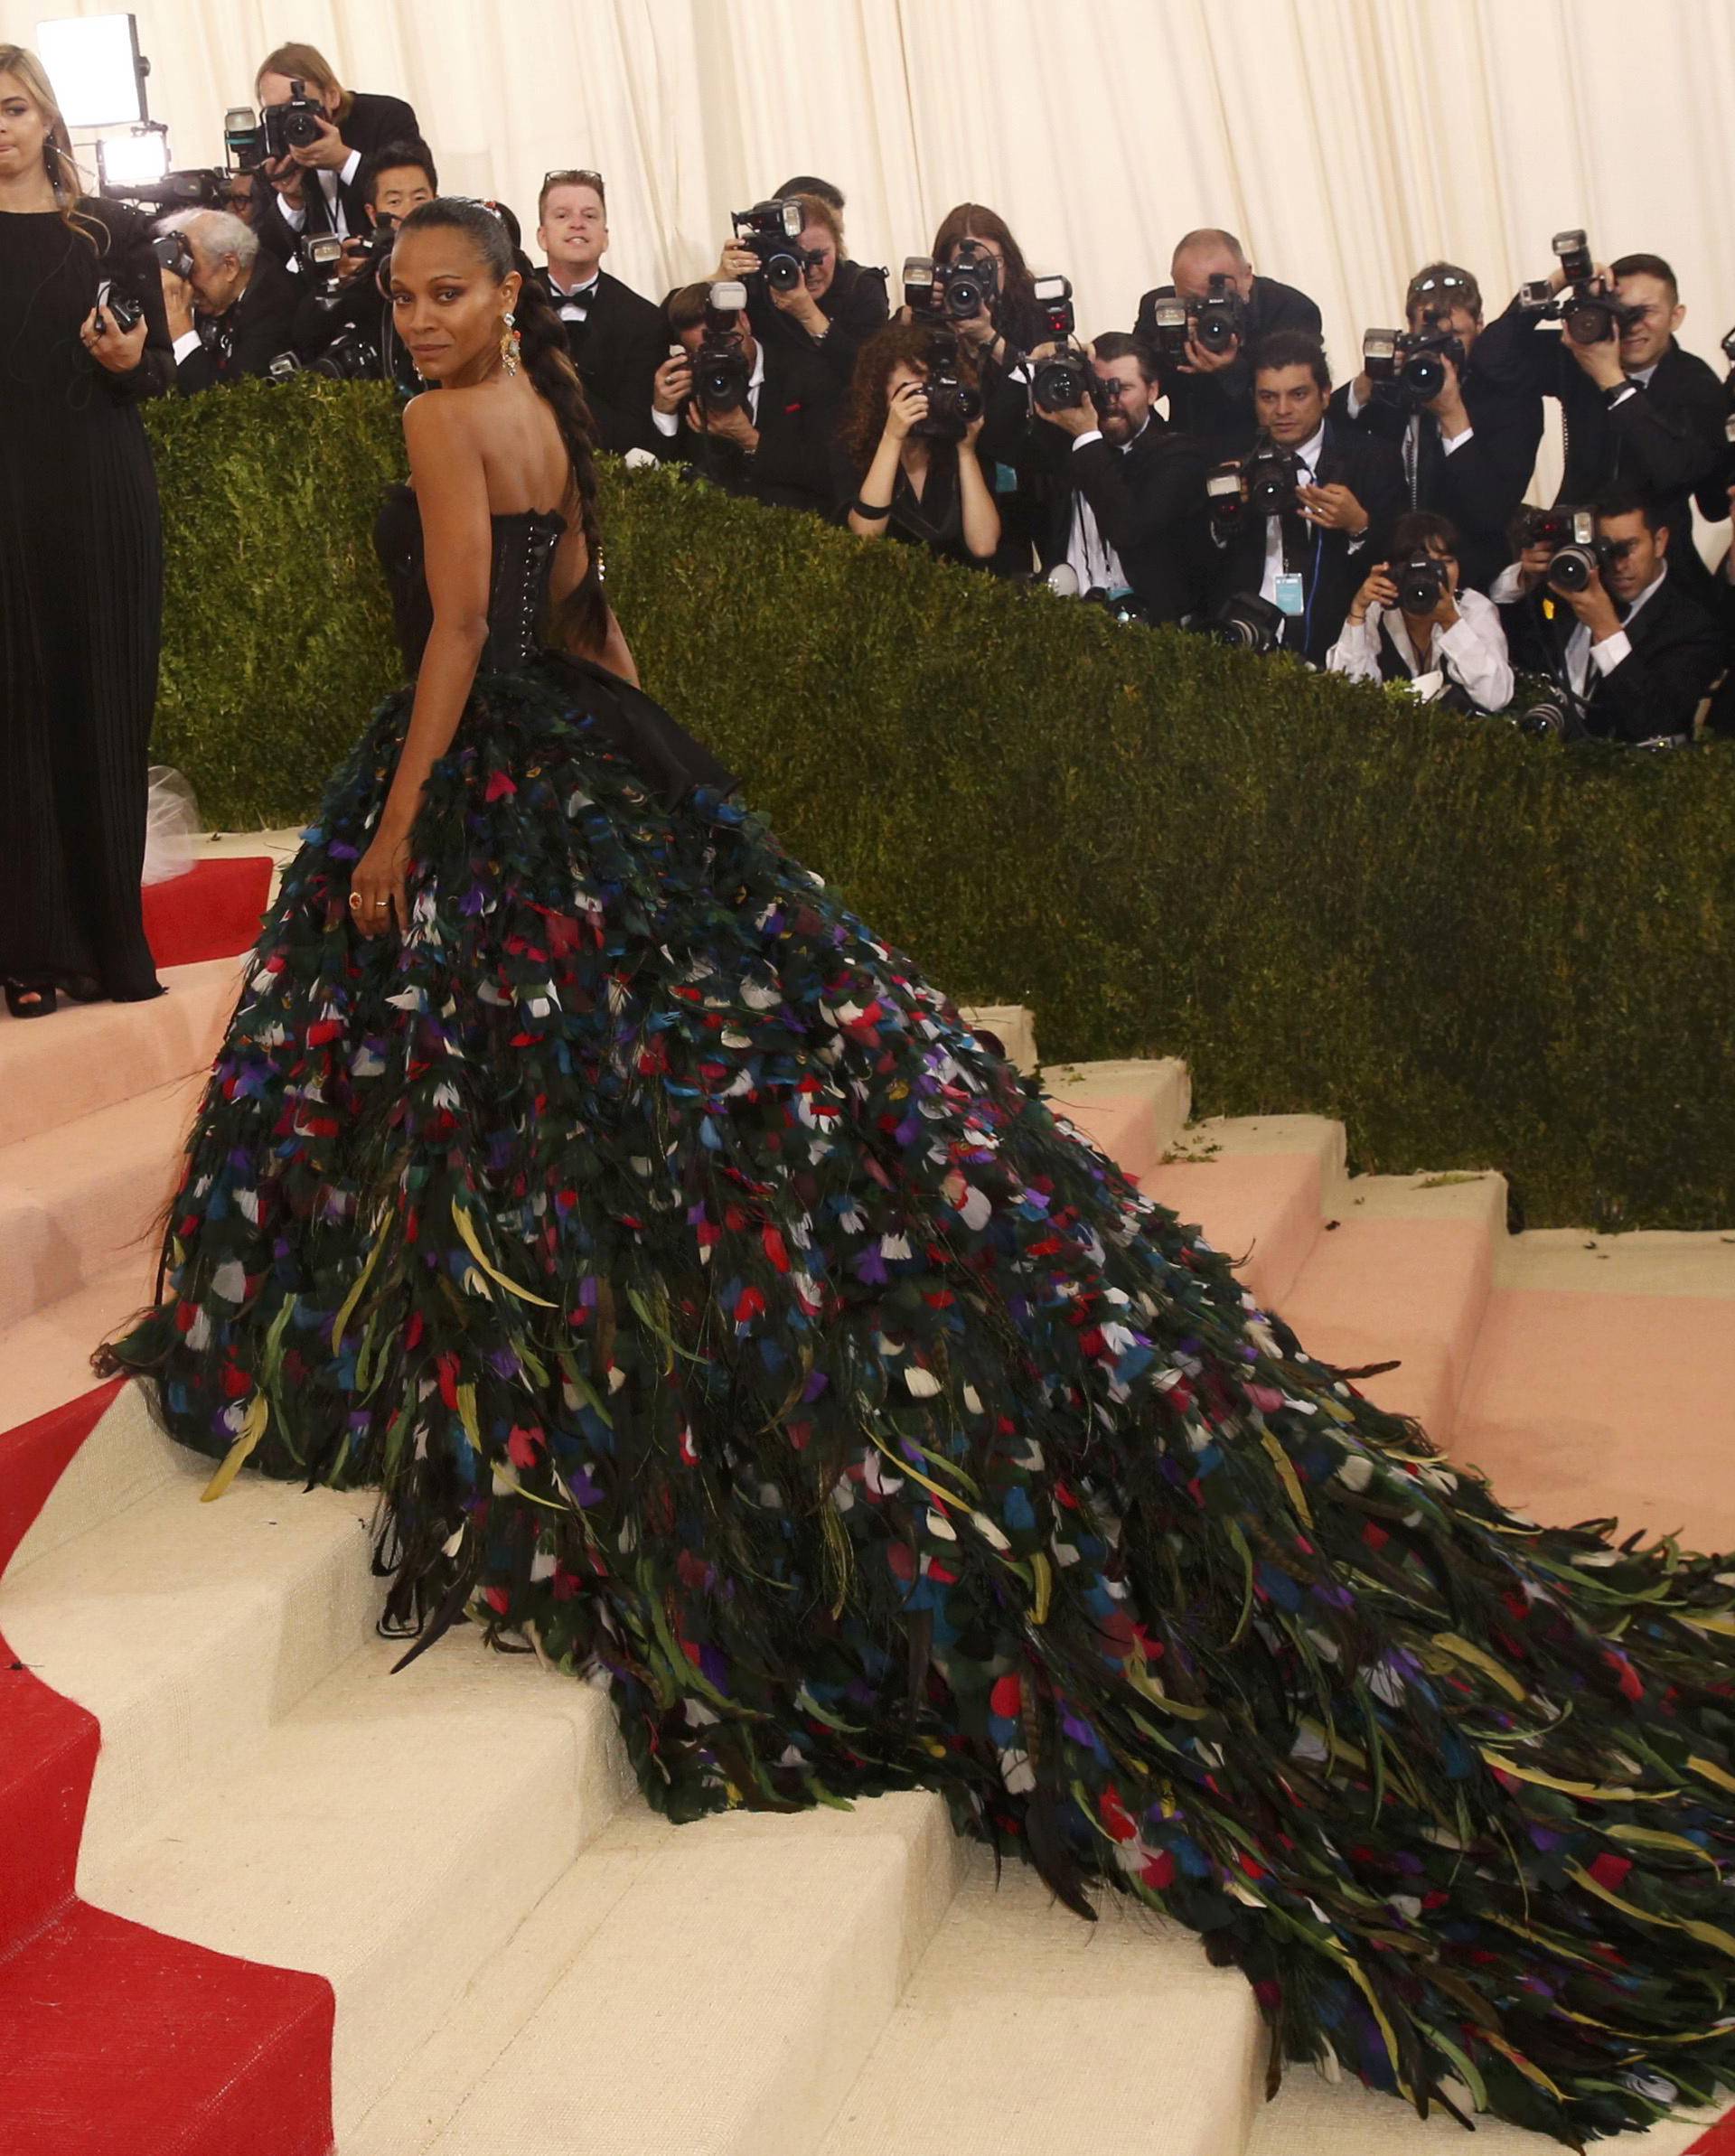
column 1475, row 948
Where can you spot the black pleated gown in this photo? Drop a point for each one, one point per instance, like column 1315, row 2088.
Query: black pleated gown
column 80, row 605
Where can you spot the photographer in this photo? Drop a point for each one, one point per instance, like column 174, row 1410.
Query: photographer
column 1470, row 448
column 1638, row 411
column 1318, row 500
column 1209, row 379
column 1425, row 628
column 313, row 187
column 837, row 306
column 1630, row 651
column 231, row 309
column 391, row 183
column 909, row 437
column 614, row 336
column 771, row 432
column 1132, row 515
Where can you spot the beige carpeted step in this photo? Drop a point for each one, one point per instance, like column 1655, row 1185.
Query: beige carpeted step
column 1129, row 1109
column 706, row 1990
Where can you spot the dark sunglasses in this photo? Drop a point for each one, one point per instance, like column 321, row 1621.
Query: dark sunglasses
column 578, row 175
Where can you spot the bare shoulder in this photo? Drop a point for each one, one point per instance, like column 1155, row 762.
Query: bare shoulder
column 436, row 414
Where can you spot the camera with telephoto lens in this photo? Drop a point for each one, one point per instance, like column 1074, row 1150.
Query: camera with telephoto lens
column 1409, row 366
column 1172, row 326
column 353, row 355
column 772, row 232
column 952, row 402
column 1220, row 318
column 970, row 283
column 292, row 126
column 721, row 374
column 1587, row 312
column 1060, row 383
column 1272, row 476
column 1247, row 623
column 1421, row 583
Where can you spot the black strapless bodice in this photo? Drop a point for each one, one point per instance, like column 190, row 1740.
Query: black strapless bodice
column 621, row 717
column 518, row 579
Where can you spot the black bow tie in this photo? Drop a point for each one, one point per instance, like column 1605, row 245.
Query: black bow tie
column 581, row 294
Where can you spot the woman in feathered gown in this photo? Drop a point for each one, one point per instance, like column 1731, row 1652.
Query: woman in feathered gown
column 711, row 1306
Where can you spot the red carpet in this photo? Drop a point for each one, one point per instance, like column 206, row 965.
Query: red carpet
column 211, row 912
column 119, row 2038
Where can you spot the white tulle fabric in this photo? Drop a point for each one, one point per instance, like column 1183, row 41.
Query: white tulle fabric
column 171, row 826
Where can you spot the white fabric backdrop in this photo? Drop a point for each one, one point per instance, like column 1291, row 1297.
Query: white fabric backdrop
column 1346, row 141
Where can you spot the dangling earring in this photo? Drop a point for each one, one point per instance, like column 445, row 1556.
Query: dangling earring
column 508, row 345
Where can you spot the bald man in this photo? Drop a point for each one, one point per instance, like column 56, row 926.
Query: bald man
column 1211, row 393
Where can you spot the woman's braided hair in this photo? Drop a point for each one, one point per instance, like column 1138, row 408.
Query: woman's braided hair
column 580, row 619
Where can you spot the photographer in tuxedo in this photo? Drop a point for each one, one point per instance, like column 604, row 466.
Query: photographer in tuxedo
column 315, row 188
column 1132, row 514
column 391, row 183
column 614, row 336
column 1210, row 388
column 230, row 307
column 775, row 439
column 1469, row 450
column 1638, row 411
column 1632, row 654
column 1335, row 494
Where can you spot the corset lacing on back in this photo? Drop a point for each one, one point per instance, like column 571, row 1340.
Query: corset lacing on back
column 518, row 575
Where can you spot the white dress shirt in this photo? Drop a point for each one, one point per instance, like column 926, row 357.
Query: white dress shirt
column 1581, row 655
column 1307, row 459
column 1089, row 555
column 1472, row 652
column 572, row 304
column 331, row 185
column 668, row 423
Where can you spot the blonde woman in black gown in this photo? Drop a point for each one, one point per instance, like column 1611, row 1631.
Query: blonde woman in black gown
column 80, row 566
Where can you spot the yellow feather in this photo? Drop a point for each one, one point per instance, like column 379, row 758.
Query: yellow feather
column 466, row 1228
column 1466, row 1651
column 258, row 1414
column 1712, row 1773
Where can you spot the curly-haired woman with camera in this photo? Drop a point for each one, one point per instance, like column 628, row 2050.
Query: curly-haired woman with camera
column 919, row 478
column 82, row 338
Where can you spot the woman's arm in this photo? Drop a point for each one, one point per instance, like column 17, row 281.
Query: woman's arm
column 446, row 465
column 981, row 517
column 875, row 488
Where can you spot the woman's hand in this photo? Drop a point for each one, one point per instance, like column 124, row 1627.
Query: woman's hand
column 109, row 345
column 379, row 894
column 1377, row 590
column 907, row 404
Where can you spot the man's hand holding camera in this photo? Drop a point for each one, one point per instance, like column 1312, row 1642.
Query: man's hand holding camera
column 1594, row 606
column 1201, row 360
column 733, row 425
column 1449, row 408
column 672, row 384
column 177, row 304
column 329, row 153
column 1332, row 509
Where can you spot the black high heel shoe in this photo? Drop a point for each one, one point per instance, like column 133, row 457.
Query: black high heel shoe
column 44, row 999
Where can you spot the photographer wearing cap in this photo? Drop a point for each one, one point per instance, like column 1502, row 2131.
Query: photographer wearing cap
column 1316, row 503
column 1414, row 621
column 1631, row 653
column 1209, row 375
column 231, row 308
column 1469, row 448
column 1638, row 411
column 756, row 423
column 314, row 184
column 615, row 336
column 908, row 442
column 1131, row 517
column 352, row 327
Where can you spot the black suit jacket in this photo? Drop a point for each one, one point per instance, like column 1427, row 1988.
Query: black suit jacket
column 617, row 348
column 1677, row 652
column 795, row 465
column 1668, row 438
column 1333, row 566
column 1149, row 502
column 260, row 325
column 370, row 123
column 1478, row 486
column 856, row 304
column 1218, row 408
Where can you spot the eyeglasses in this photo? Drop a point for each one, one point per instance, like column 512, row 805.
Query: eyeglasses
column 576, row 176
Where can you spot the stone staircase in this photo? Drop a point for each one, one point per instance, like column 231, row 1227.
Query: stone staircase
column 523, row 1957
